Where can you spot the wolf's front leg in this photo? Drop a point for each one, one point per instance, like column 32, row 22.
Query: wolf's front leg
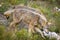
column 11, row 26
column 30, row 30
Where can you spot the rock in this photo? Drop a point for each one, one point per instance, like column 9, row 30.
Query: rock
column 3, row 20
column 22, row 25
column 51, row 34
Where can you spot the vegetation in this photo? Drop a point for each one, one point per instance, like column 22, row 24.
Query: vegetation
column 45, row 6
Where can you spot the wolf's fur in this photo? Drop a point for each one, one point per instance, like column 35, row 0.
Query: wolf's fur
column 28, row 15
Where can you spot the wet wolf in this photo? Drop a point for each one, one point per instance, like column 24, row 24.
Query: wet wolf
column 28, row 15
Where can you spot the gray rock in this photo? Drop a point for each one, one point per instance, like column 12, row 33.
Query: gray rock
column 3, row 20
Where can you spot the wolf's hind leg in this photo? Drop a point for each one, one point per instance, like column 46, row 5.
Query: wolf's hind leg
column 41, row 32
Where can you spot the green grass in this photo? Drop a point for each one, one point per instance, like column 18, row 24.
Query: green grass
column 19, row 35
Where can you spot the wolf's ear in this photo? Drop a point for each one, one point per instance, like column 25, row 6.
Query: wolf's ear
column 13, row 7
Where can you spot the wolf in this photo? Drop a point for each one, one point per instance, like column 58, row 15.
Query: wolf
column 28, row 15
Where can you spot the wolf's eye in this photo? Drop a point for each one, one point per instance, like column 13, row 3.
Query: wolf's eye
column 7, row 17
